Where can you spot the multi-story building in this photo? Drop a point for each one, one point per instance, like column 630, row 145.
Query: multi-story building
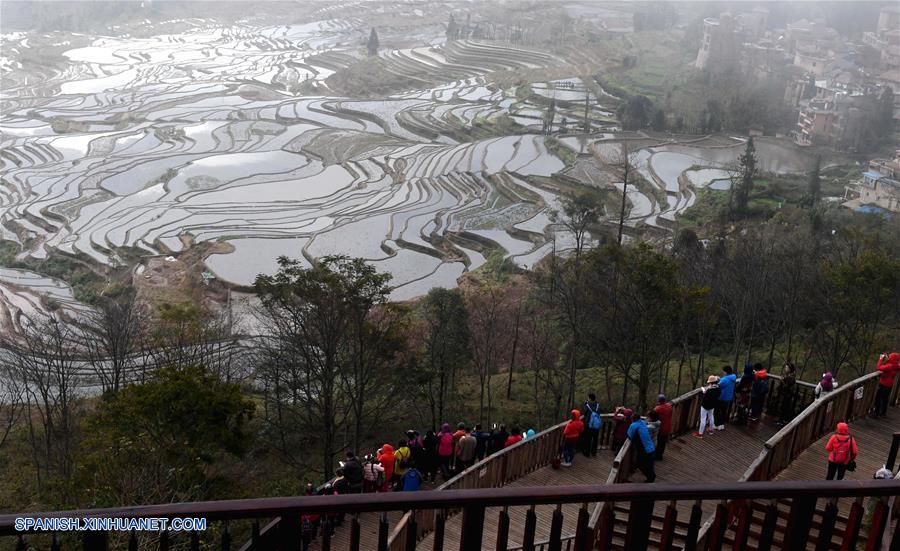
column 886, row 38
column 719, row 46
column 816, row 121
column 879, row 186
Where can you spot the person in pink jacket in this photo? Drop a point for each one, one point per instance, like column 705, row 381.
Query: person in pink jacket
column 841, row 448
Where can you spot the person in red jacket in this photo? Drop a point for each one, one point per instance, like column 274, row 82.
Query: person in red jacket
column 841, row 448
column 385, row 456
column 888, row 367
column 664, row 410
column 572, row 434
column 514, row 437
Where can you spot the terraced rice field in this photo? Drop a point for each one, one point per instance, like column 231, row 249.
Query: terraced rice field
column 234, row 134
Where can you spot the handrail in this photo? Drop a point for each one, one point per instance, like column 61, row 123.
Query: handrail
column 494, row 471
column 684, row 418
column 486, row 497
column 811, row 424
column 807, row 428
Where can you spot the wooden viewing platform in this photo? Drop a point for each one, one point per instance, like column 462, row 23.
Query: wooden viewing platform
column 706, row 495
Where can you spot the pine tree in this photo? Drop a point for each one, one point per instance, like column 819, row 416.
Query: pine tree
column 748, row 171
column 373, row 42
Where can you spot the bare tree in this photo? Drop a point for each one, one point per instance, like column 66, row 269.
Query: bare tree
column 626, row 163
column 488, row 306
column 12, row 400
column 187, row 335
column 111, row 337
column 46, row 358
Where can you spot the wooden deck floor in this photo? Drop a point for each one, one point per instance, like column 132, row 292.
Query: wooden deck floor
column 722, row 456
column 873, row 437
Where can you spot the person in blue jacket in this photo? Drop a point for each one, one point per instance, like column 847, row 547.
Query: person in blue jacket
column 726, row 388
column 643, row 444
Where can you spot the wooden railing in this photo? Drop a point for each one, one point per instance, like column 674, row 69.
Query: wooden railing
column 495, row 471
column 685, row 413
column 685, row 418
column 802, row 497
column 848, row 402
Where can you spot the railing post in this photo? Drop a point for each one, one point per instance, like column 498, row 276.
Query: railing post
column 195, row 541
column 555, row 539
column 503, row 530
column 327, row 531
column 582, row 532
column 530, row 527
column 254, row 534
column 164, row 541
column 799, row 522
column 383, row 533
column 668, row 530
column 439, row 521
column 892, row 454
column 826, row 530
column 605, row 526
column 288, row 532
column 851, row 532
column 95, row 541
column 640, row 513
column 718, row 528
column 412, row 528
column 742, row 532
column 767, row 533
column 54, row 543
column 226, row 537
column 472, row 527
column 354, row 533
column 895, row 541
column 693, row 532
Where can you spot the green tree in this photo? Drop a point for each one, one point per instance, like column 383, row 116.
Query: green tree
column 324, row 353
column 580, row 213
column 163, row 441
column 635, row 324
column 635, row 113
column 748, row 172
column 861, row 299
column 446, row 349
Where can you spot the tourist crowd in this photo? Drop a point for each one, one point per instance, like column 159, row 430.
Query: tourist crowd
column 418, row 459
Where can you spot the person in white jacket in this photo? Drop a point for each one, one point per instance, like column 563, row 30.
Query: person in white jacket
column 826, row 386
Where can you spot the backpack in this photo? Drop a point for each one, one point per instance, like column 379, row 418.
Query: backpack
column 445, row 444
column 842, row 451
column 761, row 388
column 306, row 526
column 404, row 459
column 379, row 475
column 594, row 421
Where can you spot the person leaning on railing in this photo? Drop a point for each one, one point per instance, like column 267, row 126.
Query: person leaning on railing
column 888, row 367
column 664, row 409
